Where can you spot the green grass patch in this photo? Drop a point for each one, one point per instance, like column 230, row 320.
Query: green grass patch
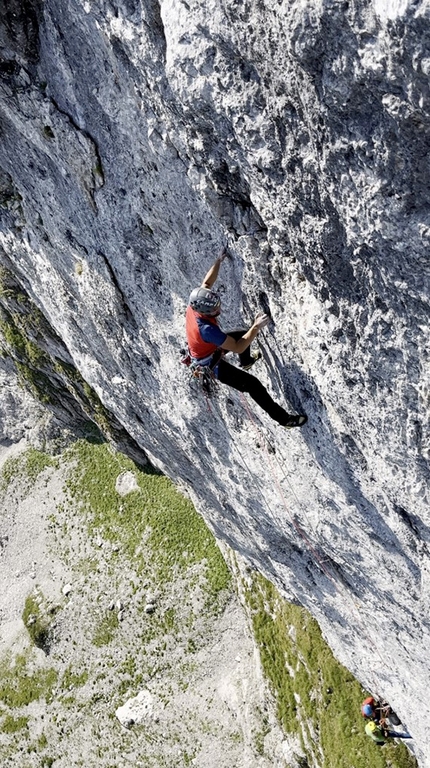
column 17, row 340
column 20, row 331
column 27, row 465
column 35, row 621
column 155, row 526
column 47, row 761
column 42, row 741
column 20, row 685
column 25, row 332
column 312, row 688
column 72, row 679
column 34, row 462
column 12, row 724
column 37, row 616
column 106, row 629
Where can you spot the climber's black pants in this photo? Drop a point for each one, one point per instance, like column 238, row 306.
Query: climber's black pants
column 245, row 382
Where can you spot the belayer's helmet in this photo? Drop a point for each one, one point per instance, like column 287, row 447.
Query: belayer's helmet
column 367, row 710
column 205, row 301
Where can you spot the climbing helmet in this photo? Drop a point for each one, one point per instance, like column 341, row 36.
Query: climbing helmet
column 205, row 301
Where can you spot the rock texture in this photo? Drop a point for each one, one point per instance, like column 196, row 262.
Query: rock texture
column 136, row 140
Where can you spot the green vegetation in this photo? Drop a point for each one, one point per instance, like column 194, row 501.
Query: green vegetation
column 20, row 683
column 174, row 535
column 163, row 539
column 37, row 617
column 98, row 172
column 25, row 331
column 120, row 551
column 73, row 679
column 20, row 327
column 14, row 337
column 236, row 737
column 259, row 735
column 100, row 414
column 315, row 694
column 86, row 395
column 12, row 724
column 42, row 741
column 26, row 466
column 105, row 631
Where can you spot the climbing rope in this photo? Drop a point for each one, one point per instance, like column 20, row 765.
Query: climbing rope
column 302, row 534
column 209, row 386
column 256, row 483
column 294, row 523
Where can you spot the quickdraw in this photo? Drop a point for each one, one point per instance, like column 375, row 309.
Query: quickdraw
column 205, row 376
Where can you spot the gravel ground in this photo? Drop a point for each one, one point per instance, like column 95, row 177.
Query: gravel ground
column 201, row 699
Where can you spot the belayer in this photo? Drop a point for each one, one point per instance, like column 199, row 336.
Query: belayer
column 380, row 735
column 208, row 344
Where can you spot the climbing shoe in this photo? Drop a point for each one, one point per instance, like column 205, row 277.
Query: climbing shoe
column 296, row 421
column 255, row 356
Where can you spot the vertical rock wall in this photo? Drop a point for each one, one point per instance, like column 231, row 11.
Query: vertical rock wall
column 135, row 140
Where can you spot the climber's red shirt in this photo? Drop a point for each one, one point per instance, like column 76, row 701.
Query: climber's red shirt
column 204, row 336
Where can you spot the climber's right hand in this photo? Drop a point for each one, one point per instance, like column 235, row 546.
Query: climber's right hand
column 261, row 321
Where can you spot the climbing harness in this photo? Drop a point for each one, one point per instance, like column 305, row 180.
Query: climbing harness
column 203, row 375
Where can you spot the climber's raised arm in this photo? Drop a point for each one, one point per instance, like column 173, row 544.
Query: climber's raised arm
column 213, row 272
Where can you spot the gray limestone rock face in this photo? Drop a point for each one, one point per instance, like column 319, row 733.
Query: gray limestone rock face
column 136, row 139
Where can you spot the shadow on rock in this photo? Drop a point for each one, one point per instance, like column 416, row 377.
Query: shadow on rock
column 302, row 392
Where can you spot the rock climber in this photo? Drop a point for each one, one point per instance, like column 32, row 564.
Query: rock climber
column 208, row 344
